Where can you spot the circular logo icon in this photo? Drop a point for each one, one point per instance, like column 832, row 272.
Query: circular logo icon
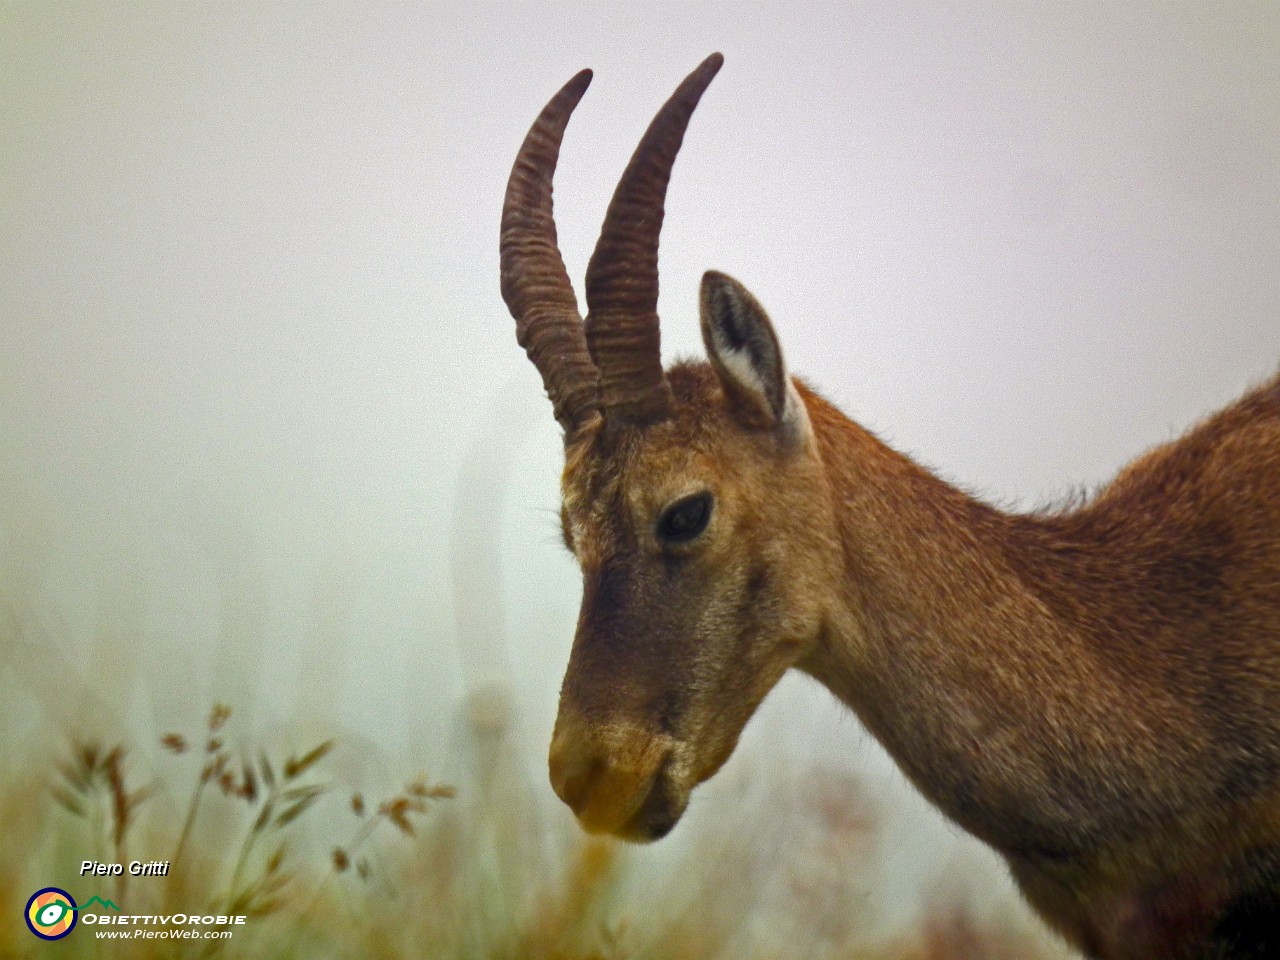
column 51, row 913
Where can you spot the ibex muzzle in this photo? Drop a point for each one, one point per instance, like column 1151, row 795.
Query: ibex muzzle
column 1094, row 693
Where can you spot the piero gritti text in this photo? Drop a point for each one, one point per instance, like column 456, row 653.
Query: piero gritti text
column 135, row 868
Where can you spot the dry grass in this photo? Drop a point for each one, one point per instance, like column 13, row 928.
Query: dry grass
column 437, row 872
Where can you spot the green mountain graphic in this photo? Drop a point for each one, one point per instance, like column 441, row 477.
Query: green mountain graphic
column 107, row 904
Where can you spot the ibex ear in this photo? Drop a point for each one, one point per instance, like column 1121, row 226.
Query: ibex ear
column 745, row 355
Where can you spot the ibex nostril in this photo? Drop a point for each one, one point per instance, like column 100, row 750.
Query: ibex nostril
column 572, row 776
column 605, row 780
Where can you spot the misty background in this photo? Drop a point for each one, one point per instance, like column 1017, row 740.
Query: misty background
column 266, row 436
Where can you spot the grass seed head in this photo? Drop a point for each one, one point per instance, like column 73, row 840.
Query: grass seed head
column 218, row 717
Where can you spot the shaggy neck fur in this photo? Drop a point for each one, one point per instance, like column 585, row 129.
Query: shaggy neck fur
column 1081, row 690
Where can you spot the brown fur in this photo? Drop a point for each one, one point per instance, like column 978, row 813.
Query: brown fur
column 1094, row 693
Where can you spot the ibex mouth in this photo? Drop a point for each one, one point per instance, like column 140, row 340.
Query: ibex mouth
column 628, row 790
column 659, row 811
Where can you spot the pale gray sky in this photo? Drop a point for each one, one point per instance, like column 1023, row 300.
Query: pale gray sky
column 263, row 419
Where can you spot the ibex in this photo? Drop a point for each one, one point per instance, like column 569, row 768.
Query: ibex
column 1094, row 692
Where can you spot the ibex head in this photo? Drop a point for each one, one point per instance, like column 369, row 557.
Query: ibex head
column 693, row 499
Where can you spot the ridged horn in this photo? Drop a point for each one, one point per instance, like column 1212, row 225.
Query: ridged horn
column 622, row 277
column 535, row 284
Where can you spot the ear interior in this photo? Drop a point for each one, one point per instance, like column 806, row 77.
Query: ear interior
column 744, row 351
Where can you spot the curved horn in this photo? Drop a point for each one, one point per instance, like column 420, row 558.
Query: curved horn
column 622, row 277
column 534, row 282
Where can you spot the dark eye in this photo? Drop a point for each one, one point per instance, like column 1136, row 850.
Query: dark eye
column 685, row 519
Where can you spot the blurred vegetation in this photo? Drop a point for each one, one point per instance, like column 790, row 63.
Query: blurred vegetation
column 446, row 871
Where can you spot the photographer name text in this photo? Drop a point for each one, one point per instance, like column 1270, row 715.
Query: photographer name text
column 135, row 868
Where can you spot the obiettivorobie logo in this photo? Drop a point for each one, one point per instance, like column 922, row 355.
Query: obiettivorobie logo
column 52, row 913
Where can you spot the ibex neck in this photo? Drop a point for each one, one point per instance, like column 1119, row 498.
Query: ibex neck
column 989, row 700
